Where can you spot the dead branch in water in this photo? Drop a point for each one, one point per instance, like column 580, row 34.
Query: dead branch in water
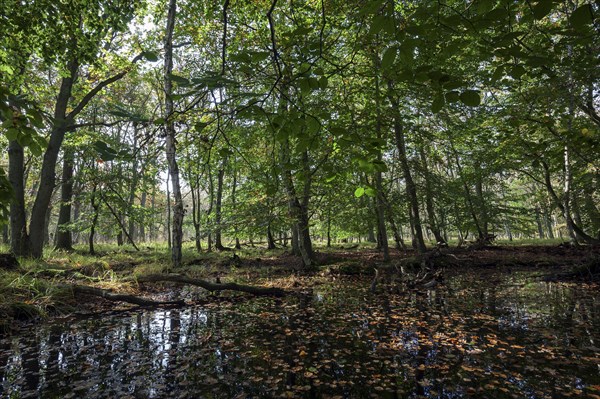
column 207, row 285
column 115, row 297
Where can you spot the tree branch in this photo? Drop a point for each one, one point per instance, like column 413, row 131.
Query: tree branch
column 92, row 93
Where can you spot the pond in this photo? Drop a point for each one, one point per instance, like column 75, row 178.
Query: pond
column 481, row 334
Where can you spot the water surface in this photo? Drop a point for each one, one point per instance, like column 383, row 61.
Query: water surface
column 483, row 334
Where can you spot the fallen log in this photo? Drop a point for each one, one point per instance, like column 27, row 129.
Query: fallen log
column 99, row 292
column 207, row 285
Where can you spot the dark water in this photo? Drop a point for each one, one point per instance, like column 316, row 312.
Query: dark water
column 479, row 336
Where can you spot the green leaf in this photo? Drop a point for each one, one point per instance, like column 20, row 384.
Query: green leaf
column 35, row 149
column 370, row 191
column 313, row 125
column 438, row 104
column 452, row 96
column 542, row 8
column 359, row 192
column 11, row 134
column 583, row 15
column 180, row 80
column 389, row 56
column 377, row 24
column 470, row 98
column 304, row 85
column 199, row 127
column 323, row 82
column 337, row 131
column 517, row 71
column 150, row 56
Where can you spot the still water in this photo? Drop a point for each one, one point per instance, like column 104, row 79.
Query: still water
column 479, row 335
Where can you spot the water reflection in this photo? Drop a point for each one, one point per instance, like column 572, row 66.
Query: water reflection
column 494, row 335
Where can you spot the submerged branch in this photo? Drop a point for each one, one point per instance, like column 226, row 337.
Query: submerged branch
column 136, row 300
column 207, row 285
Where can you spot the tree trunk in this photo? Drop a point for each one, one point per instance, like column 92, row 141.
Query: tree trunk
column 233, row 199
column 561, row 204
column 429, row 206
column 64, row 239
column 382, row 238
column 47, row 174
column 142, row 224
column 96, row 207
column 270, row 239
column 135, row 177
column 484, row 219
column 411, row 188
column 171, row 143
column 218, row 242
column 19, row 239
column 298, row 211
column 538, row 221
column 329, row 228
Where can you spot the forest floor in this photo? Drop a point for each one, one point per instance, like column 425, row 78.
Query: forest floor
column 36, row 289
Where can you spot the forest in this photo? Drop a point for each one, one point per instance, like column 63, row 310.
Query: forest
column 299, row 198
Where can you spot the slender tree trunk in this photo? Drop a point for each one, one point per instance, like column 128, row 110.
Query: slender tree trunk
column 168, row 224
column 382, row 238
column 484, row 219
column 561, row 204
column 548, row 220
column 468, row 196
column 171, row 141
column 135, row 177
column 196, row 214
column 152, row 231
column 218, row 215
column 96, row 207
column 538, row 220
column 233, row 203
column 64, row 239
column 329, row 228
column 19, row 239
column 567, row 195
column 400, row 245
column 429, row 206
column 411, row 188
column 211, row 201
column 76, row 215
column 142, row 224
column 270, row 239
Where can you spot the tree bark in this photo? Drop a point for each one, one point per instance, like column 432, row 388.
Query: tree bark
column 64, row 239
column 382, row 238
column 136, row 300
column 207, row 285
column 171, row 143
column 142, row 224
column 96, row 207
column 19, row 239
column 561, row 205
column 48, row 174
column 218, row 207
column 429, row 206
column 411, row 188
